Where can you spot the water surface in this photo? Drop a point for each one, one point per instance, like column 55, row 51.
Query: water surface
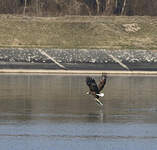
column 53, row 112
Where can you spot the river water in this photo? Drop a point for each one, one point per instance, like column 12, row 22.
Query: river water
column 53, row 112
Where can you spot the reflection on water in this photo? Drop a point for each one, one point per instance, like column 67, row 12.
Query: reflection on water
column 55, row 108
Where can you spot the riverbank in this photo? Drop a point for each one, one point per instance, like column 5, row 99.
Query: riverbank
column 110, row 43
column 69, row 32
column 78, row 72
column 77, row 59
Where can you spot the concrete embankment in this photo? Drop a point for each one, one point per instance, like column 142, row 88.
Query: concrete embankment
column 78, row 59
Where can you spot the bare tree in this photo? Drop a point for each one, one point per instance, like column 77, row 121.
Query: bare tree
column 78, row 7
column 88, row 9
column 98, row 6
column 24, row 9
column 116, row 4
column 123, row 8
column 110, row 6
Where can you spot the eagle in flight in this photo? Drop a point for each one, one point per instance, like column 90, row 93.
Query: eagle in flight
column 95, row 89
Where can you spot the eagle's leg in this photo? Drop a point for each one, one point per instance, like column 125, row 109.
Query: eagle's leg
column 99, row 102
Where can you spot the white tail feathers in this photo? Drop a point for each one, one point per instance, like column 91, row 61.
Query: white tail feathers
column 101, row 94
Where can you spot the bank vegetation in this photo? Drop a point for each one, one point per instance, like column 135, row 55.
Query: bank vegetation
column 110, row 32
column 79, row 7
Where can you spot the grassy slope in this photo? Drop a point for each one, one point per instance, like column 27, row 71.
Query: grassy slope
column 78, row 32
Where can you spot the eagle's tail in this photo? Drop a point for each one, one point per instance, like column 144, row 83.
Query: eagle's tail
column 100, row 95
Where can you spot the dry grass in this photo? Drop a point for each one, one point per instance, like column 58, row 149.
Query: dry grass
column 79, row 32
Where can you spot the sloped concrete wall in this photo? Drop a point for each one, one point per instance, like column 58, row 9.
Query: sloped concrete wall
column 92, row 56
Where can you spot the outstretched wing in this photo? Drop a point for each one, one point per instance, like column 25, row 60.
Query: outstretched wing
column 92, row 85
column 102, row 82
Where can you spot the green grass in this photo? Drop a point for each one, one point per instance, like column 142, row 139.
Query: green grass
column 78, row 32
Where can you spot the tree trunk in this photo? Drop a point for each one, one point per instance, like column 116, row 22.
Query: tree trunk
column 24, row 9
column 123, row 8
column 98, row 7
column 38, row 7
column 116, row 4
column 110, row 6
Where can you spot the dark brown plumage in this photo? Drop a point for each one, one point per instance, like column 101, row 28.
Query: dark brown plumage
column 94, row 89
